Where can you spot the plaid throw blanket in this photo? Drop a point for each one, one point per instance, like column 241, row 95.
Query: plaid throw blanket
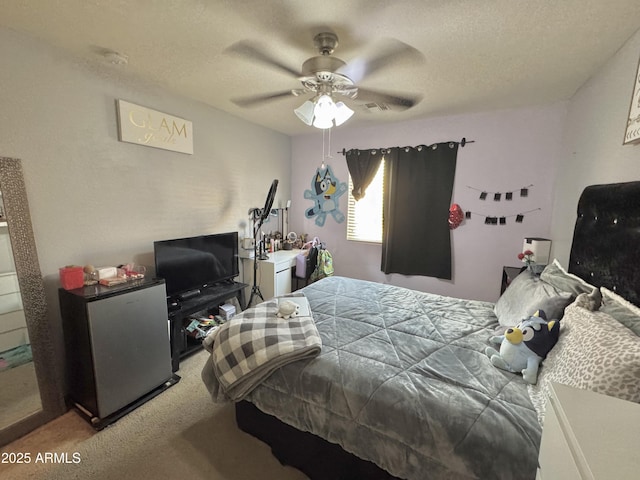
column 252, row 345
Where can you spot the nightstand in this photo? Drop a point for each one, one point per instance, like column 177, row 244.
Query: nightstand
column 508, row 274
column 587, row 435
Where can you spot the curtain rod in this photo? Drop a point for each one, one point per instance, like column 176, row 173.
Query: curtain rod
column 462, row 143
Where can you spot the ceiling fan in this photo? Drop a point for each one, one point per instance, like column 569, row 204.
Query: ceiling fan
column 326, row 77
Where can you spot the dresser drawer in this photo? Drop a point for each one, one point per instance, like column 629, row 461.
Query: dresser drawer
column 589, row 436
column 555, row 459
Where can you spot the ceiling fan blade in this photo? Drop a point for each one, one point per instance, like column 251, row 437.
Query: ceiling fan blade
column 257, row 100
column 392, row 51
column 254, row 52
column 402, row 102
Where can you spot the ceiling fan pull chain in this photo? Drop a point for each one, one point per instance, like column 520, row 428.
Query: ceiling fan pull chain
column 322, row 166
column 326, row 147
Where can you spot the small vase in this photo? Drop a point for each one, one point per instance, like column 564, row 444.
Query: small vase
column 535, row 269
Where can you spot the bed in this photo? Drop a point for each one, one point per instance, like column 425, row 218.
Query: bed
column 402, row 387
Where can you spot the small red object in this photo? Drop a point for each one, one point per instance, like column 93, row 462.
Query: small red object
column 72, row 277
column 456, row 215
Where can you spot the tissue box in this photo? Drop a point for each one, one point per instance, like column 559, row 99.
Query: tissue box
column 107, row 272
column 72, row 277
column 227, row 311
column 541, row 248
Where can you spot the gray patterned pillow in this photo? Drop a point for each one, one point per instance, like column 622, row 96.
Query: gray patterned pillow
column 568, row 282
column 525, row 295
column 623, row 311
column 594, row 352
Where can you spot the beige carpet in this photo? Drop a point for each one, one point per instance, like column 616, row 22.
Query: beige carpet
column 180, row 434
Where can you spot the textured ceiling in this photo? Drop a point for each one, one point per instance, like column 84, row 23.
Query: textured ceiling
column 476, row 55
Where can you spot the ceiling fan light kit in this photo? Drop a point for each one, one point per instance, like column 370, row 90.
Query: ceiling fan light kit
column 322, row 112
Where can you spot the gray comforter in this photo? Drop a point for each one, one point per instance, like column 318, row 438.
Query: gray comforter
column 403, row 381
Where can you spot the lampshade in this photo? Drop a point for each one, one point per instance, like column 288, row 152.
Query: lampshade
column 305, row 112
column 324, row 112
column 322, row 122
column 539, row 247
column 342, row 113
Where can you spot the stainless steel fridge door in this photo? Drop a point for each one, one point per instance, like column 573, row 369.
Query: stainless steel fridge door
column 130, row 346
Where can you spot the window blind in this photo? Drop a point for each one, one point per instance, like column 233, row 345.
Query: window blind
column 364, row 217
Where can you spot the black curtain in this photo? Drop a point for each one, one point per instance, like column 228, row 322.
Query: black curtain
column 417, row 196
column 363, row 166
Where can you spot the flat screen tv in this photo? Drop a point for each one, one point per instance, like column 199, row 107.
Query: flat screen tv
column 189, row 264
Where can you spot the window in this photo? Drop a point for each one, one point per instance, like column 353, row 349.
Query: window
column 364, row 217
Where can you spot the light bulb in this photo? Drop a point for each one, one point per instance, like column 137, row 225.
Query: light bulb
column 324, row 112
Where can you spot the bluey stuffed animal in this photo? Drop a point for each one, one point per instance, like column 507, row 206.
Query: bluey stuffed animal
column 524, row 346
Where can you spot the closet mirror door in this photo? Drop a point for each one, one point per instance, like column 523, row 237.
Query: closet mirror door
column 30, row 393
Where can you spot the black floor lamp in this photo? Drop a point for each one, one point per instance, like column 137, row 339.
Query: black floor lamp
column 259, row 216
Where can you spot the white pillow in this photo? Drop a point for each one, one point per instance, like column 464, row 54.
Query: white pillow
column 594, row 352
column 564, row 281
column 622, row 310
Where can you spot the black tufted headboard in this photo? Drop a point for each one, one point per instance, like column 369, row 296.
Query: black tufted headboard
column 606, row 240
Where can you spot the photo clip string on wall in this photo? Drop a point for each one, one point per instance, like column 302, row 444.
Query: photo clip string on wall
column 499, row 220
column 497, row 196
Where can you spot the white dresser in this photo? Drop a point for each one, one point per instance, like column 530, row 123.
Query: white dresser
column 274, row 274
column 587, row 435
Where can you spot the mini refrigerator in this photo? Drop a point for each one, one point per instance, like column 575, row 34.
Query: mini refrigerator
column 118, row 353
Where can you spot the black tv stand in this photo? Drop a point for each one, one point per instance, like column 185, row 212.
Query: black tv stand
column 204, row 303
column 189, row 294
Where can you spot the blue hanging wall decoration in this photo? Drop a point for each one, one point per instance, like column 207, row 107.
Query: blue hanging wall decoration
column 325, row 191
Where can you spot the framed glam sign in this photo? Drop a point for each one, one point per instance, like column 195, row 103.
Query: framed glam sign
column 632, row 134
column 148, row 127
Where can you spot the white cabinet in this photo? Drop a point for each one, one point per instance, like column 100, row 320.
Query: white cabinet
column 274, row 274
column 587, row 435
column 283, row 279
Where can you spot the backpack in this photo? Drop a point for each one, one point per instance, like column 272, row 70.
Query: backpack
column 324, row 266
column 306, row 261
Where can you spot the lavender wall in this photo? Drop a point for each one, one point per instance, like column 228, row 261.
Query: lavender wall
column 512, row 149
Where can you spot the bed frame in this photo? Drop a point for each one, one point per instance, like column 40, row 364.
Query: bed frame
column 605, row 252
column 606, row 240
column 312, row 455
